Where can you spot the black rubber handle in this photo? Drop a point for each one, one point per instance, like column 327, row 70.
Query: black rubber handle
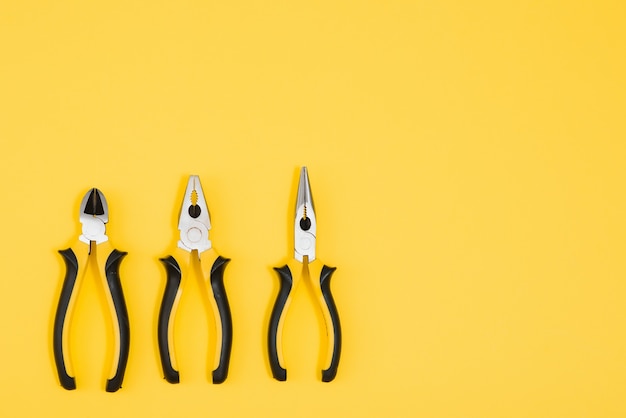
column 112, row 272
column 169, row 297
column 71, row 263
column 330, row 373
column 219, row 293
column 286, row 282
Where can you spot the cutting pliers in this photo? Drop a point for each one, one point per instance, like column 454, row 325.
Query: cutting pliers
column 94, row 244
column 194, row 247
column 305, row 226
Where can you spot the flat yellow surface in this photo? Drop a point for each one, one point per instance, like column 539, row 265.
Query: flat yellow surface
column 467, row 161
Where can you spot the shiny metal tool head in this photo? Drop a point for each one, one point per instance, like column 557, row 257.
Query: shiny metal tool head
column 305, row 221
column 194, row 221
column 94, row 214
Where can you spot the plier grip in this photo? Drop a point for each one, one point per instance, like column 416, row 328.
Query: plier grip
column 221, row 310
column 320, row 277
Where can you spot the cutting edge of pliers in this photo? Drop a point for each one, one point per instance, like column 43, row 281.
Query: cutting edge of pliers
column 305, row 230
column 93, row 216
column 194, row 224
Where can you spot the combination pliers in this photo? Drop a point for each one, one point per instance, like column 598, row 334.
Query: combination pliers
column 194, row 247
column 93, row 244
column 305, row 227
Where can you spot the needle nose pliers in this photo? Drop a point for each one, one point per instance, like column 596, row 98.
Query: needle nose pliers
column 194, row 247
column 305, row 227
column 94, row 244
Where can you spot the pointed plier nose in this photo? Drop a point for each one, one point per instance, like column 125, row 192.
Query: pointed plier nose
column 305, row 240
column 305, row 223
column 93, row 215
column 194, row 246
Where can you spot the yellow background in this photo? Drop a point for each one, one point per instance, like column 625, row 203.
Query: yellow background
column 467, row 164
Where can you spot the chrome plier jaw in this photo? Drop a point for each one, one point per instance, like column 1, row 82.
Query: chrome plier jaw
column 194, row 246
column 305, row 227
column 194, row 221
column 93, row 216
column 305, row 223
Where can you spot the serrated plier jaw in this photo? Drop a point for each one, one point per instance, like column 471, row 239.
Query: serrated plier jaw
column 194, row 221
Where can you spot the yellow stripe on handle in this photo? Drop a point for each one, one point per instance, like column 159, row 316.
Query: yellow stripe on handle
column 111, row 259
column 75, row 262
column 176, row 273
column 320, row 277
column 288, row 284
column 213, row 267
